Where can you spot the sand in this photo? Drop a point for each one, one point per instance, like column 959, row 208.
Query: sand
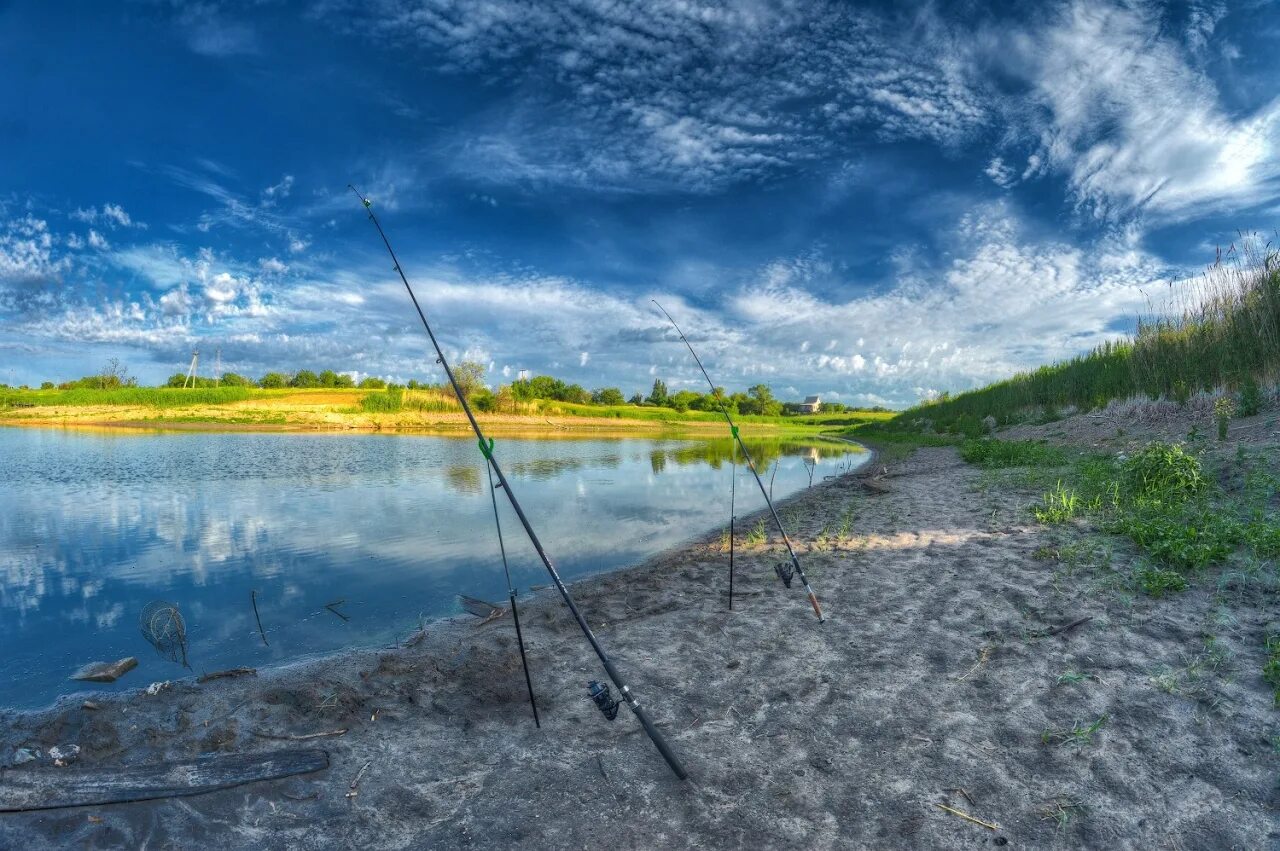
column 934, row 681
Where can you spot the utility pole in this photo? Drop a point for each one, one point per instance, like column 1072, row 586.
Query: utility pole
column 191, row 371
column 217, row 369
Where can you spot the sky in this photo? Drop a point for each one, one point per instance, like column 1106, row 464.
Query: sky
column 869, row 202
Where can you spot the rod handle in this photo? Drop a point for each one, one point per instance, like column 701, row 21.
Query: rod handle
column 817, row 610
column 659, row 741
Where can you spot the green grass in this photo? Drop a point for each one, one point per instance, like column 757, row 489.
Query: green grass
column 151, row 397
column 996, row 454
column 1060, row 505
column 757, row 535
column 1077, row 734
column 1271, row 669
column 389, row 401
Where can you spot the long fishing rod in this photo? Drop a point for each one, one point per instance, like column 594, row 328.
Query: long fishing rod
column 511, row 596
column 733, row 494
column 783, row 574
column 599, row 692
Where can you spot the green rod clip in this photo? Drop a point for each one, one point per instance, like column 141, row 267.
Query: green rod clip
column 486, row 450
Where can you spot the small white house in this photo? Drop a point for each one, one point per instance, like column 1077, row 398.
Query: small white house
column 811, row 405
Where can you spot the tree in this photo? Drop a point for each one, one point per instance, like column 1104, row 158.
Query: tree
column 46, row 385
column 683, row 400
column 113, row 376
column 176, row 380
column 304, row 378
column 763, row 401
column 637, row 399
column 328, row 378
column 469, row 376
column 373, row 383
column 272, row 381
column 345, row 380
column 658, row 396
column 231, row 379
column 608, row 396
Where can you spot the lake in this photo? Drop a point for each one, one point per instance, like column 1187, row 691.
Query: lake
column 94, row 525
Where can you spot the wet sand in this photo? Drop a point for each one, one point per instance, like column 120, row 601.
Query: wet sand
column 934, row 681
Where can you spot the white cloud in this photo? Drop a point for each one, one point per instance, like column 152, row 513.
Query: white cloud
column 98, row 241
column 1121, row 111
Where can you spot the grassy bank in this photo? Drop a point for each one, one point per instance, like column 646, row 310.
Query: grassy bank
column 376, row 410
column 1222, row 336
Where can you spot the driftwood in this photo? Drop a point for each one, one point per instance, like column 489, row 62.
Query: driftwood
column 48, row 789
column 230, row 672
column 299, row 738
column 482, row 609
column 1045, row 634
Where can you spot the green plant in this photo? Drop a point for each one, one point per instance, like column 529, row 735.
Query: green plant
column 1070, row 677
column 757, row 534
column 1060, row 505
column 1163, row 472
column 1188, row 540
column 1250, row 398
column 1223, row 410
column 1077, row 734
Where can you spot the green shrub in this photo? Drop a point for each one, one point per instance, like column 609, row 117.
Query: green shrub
column 1250, row 398
column 1163, row 472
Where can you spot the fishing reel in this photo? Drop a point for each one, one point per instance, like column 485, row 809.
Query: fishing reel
column 785, row 571
column 603, row 699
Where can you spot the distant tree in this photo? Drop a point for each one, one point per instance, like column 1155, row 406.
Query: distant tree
column 608, row 396
column 272, row 381
column 345, row 380
column 304, row 378
column 413, row 384
column 113, row 376
column 469, row 375
column 658, row 396
column 373, row 383
column 637, row 399
column 232, row 379
column 176, row 380
column 327, row 378
column 46, row 385
column 683, row 400
column 505, row 400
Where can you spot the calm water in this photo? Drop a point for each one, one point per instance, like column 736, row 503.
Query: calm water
column 94, row 525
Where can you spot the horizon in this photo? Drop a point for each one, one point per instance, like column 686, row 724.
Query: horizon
column 866, row 204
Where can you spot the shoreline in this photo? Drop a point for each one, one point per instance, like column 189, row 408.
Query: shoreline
column 936, row 671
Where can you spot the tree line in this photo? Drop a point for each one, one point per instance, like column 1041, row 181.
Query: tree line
column 470, row 376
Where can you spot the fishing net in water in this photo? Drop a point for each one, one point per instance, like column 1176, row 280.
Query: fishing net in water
column 162, row 626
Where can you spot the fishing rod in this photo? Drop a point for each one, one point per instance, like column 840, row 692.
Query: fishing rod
column 733, row 493
column 511, row 596
column 784, row 573
column 598, row 692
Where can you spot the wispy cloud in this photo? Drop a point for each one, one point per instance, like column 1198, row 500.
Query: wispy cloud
column 1118, row 106
column 696, row 93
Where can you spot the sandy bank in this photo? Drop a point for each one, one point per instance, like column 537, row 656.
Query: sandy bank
column 936, row 672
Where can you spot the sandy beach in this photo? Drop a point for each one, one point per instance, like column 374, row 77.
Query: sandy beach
column 966, row 663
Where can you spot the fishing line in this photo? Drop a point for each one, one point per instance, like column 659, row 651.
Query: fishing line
column 511, row 595
column 486, row 449
column 785, row 572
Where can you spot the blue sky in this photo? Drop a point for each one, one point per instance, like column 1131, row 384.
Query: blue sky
column 870, row 202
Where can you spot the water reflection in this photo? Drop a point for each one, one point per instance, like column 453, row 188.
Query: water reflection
column 94, row 526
